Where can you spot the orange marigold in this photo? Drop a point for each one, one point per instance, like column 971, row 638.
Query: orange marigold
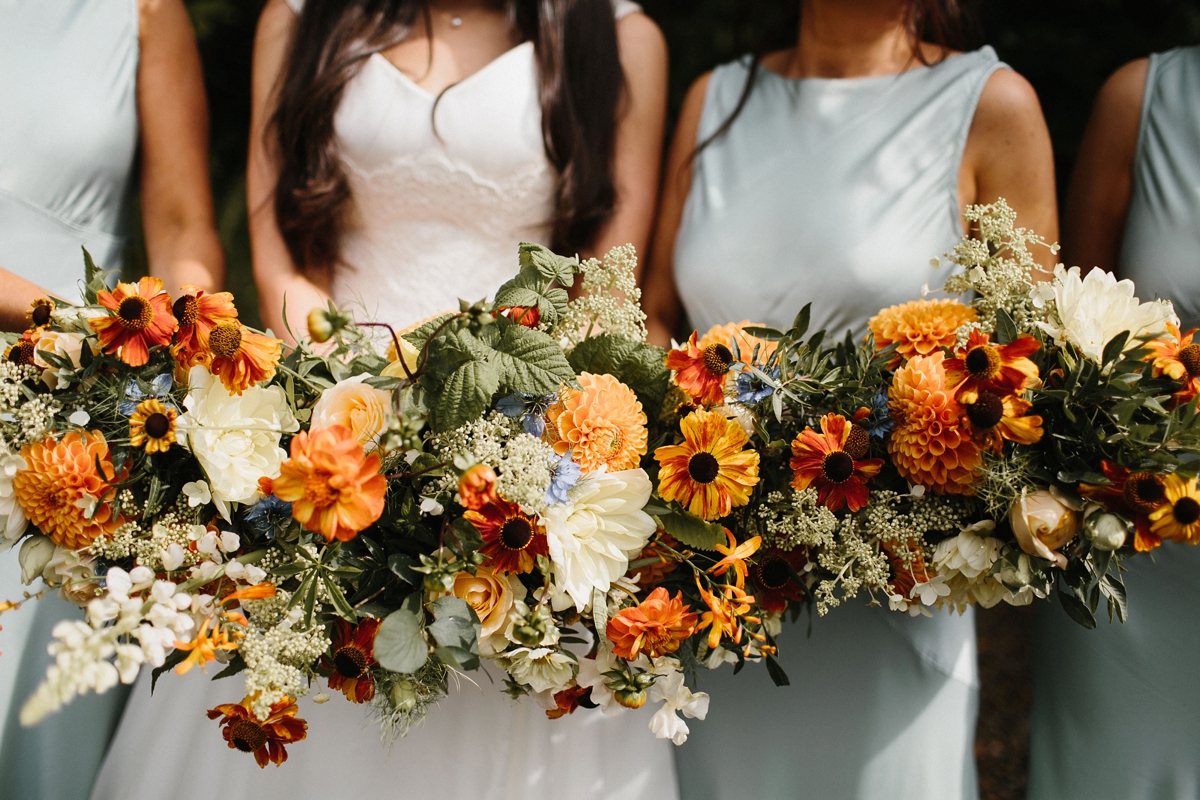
column 198, row 314
column 265, row 738
column 701, row 372
column 929, row 446
column 241, row 357
column 333, row 487
column 711, row 471
column 736, row 332
column 601, row 423
column 62, row 486
column 920, row 327
column 657, row 626
column 141, row 319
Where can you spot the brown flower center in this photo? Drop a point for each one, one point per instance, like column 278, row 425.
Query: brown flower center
column 225, row 340
column 516, row 533
column 1190, row 358
column 135, row 312
column 21, row 352
column 717, row 359
column 1144, row 492
column 858, row 443
column 157, row 426
column 317, row 489
column 1186, row 511
column 247, row 735
column 40, row 315
column 187, row 309
column 351, row 662
column 983, row 362
column 773, row 573
column 986, row 411
column 837, row 466
column 704, row 467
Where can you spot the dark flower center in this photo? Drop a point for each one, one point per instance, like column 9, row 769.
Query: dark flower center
column 1190, row 358
column 1187, row 511
column 350, row 661
column 247, row 735
column 1144, row 492
column 717, row 359
column 157, row 426
column 187, row 309
column 986, row 411
column 838, row 466
column 858, row 443
column 135, row 312
column 40, row 315
column 704, row 468
column 225, row 340
column 21, row 352
column 774, row 573
column 983, row 362
column 516, row 533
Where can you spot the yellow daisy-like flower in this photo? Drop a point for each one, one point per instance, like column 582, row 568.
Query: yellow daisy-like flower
column 710, row 472
column 920, row 327
column 152, row 426
column 601, row 423
column 1179, row 518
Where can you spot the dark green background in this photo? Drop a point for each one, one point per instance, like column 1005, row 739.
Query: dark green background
column 1066, row 48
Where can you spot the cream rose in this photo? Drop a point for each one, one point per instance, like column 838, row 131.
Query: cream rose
column 491, row 596
column 63, row 345
column 1043, row 523
column 358, row 406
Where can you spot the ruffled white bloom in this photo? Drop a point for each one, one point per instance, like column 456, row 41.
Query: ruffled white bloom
column 12, row 516
column 594, row 534
column 235, row 438
column 670, row 690
column 543, row 669
column 1091, row 310
column 968, row 553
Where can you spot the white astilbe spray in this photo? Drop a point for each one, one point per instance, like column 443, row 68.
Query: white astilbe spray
column 279, row 660
column 524, row 464
column 610, row 301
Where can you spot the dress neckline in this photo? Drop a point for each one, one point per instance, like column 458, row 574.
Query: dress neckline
column 870, row 80
column 486, row 68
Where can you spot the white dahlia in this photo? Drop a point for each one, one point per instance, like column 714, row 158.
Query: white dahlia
column 543, row 669
column 12, row 518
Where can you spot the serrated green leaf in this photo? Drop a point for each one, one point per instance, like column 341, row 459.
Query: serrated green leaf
column 465, row 396
column 549, row 265
column 530, row 289
column 639, row 366
column 693, row 531
column 531, row 362
column 399, row 645
column 418, row 336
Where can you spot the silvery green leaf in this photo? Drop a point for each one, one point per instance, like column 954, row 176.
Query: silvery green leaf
column 399, row 645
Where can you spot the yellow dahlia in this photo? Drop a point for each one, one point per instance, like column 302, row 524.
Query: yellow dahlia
column 928, row 445
column 152, row 426
column 710, row 472
column 920, row 327
column 601, row 423
column 1179, row 518
column 63, row 488
column 736, row 331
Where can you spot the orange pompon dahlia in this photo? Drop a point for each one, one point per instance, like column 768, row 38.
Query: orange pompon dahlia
column 776, row 574
column 733, row 332
column 710, row 472
column 821, row 460
column 152, row 426
column 601, row 423
column 1000, row 369
column 656, row 627
column 241, row 357
column 1178, row 359
column 1132, row 494
column 702, row 372
column 928, row 445
column 353, row 659
column 333, row 487
column 63, row 486
column 264, row 738
column 997, row 418
column 1178, row 518
column 512, row 539
column 920, row 327
column 477, row 487
column 198, row 314
column 141, row 319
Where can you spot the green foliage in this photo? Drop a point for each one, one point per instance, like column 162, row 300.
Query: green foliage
column 691, row 530
column 455, row 632
column 399, row 644
column 640, row 366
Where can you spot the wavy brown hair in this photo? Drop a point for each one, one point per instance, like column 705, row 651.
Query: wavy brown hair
column 580, row 85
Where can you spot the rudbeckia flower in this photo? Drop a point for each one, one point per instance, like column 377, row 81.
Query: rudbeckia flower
column 242, row 358
column 995, row 419
column 655, row 627
column 198, row 314
column 710, row 472
column 774, row 575
column 983, row 367
column 22, row 350
column 353, row 658
column 266, row 738
column 820, row 460
column 702, row 372
column 152, row 426
column 511, row 538
column 1131, row 494
column 40, row 313
column 1177, row 357
column 141, row 319
column 1179, row 518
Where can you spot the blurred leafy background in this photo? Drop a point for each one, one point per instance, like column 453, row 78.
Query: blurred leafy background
column 1066, row 48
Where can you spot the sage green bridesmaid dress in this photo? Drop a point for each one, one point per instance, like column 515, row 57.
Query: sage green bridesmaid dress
column 1116, row 710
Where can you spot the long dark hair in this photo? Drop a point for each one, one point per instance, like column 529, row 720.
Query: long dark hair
column 771, row 25
column 580, row 89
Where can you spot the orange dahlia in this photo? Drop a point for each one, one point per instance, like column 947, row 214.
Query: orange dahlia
column 477, row 487
column 996, row 418
column 1179, row 518
column 353, row 659
column 736, row 332
column 710, row 472
column 775, row 576
column 702, row 372
column 334, row 488
column 1178, row 358
column 821, row 460
column 264, row 738
column 63, row 486
column 929, row 445
column 601, row 423
column 657, row 626
column 1000, row 369
column 198, row 314
column 920, row 327
column 241, row 357
column 512, row 539
column 141, row 319
column 152, row 426
column 1131, row 494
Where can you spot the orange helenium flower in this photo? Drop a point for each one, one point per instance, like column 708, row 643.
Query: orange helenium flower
column 774, row 575
column 141, row 319
column 63, row 485
column 735, row 557
column 736, row 332
column 983, row 367
column 333, row 487
column 152, row 426
column 240, row 357
column 353, row 659
column 928, row 445
column 920, row 327
column 821, row 460
column 995, row 419
column 656, row 627
column 601, row 423
column 266, row 738
column 1178, row 360
column 511, row 538
column 702, row 372
column 198, row 314
column 568, row 700
column 1131, row 494
column 710, row 472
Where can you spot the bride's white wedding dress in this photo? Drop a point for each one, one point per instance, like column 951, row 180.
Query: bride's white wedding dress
column 437, row 216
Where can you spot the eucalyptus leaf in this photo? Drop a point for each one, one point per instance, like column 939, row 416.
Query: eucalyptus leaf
column 1077, row 610
column 399, row 645
column 455, row 630
column 778, row 676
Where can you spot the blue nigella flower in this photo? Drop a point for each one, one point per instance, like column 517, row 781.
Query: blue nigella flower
column 750, row 387
column 531, row 410
column 269, row 516
column 160, row 388
column 880, row 422
column 566, row 475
